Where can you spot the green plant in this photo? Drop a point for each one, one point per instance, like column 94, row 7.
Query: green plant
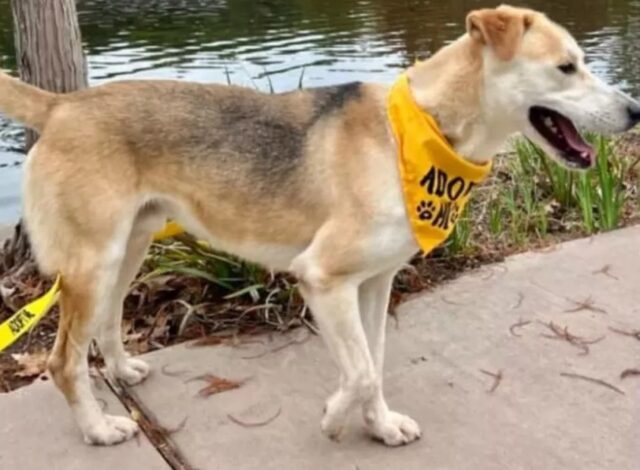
column 495, row 217
column 542, row 222
column 584, row 192
column 184, row 255
column 515, row 217
column 536, row 164
column 609, row 193
column 458, row 241
column 598, row 194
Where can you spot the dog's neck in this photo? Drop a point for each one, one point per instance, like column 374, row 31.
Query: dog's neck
column 451, row 87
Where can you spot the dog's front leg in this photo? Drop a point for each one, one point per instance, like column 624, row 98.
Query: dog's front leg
column 391, row 427
column 335, row 309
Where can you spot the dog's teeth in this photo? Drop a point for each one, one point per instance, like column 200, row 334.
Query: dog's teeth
column 548, row 122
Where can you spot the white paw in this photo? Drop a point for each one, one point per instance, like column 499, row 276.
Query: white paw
column 129, row 370
column 111, row 430
column 335, row 416
column 394, row 429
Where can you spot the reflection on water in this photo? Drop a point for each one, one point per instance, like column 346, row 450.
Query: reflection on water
column 274, row 43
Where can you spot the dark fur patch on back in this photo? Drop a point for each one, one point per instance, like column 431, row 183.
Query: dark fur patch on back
column 275, row 141
column 235, row 127
column 333, row 98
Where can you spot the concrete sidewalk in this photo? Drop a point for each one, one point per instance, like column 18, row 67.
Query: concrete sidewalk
column 546, row 412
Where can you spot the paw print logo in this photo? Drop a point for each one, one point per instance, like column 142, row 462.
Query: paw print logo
column 455, row 213
column 425, row 210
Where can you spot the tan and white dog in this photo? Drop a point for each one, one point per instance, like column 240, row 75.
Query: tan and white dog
column 305, row 181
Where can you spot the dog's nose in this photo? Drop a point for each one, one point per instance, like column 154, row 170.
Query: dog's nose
column 634, row 114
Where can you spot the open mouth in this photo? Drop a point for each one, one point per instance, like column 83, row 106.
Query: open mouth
column 563, row 136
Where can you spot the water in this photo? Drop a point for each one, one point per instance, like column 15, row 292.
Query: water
column 275, row 44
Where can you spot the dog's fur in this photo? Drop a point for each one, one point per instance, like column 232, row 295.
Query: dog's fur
column 304, row 181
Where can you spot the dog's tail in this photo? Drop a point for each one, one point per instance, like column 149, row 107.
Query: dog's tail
column 25, row 103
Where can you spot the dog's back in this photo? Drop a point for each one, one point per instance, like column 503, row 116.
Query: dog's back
column 249, row 165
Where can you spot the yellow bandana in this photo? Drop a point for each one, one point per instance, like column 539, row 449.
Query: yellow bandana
column 436, row 181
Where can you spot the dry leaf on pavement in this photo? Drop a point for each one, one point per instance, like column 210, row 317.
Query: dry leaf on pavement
column 31, row 364
column 216, row 384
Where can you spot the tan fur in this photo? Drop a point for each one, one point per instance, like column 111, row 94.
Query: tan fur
column 27, row 104
column 546, row 42
column 305, row 181
column 76, row 304
column 502, row 29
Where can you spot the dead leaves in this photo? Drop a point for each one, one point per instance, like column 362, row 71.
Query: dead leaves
column 563, row 333
column 592, row 380
column 297, row 341
column 497, row 379
column 632, row 333
column 587, row 304
column 606, row 271
column 31, row 364
column 559, row 333
column 519, row 324
column 255, row 424
column 215, row 384
column 629, row 373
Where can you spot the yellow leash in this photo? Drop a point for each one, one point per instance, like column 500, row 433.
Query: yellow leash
column 170, row 229
column 27, row 317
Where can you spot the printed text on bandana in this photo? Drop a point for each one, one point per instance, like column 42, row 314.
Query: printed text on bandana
column 441, row 207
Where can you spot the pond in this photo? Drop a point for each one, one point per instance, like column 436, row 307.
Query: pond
column 276, row 44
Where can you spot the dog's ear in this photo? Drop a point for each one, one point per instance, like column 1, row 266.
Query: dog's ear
column 501, row 29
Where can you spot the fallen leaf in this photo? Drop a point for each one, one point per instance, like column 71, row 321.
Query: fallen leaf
column 592, row 380
column 629, row 372
column 497, row 378
column 216, row 384
column 31, row 364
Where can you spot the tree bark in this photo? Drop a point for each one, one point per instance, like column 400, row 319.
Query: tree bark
column 49, row 55
column 48, row 47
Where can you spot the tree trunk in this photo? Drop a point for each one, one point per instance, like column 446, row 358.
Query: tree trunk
column 49, row 55
column 48, row 47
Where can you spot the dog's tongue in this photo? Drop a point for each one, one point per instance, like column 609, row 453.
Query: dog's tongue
column 574, row 139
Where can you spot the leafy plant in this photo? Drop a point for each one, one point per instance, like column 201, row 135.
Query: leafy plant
column 609, row 192
column 458, row 242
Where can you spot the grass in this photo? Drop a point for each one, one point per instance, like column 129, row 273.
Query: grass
column 532, row 201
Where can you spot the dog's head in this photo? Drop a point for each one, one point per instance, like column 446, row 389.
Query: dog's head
column 534, row 74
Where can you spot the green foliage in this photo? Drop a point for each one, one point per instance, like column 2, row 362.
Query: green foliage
column 598, row 193
column 458, row 242
column 533, row 197
column 184, row 255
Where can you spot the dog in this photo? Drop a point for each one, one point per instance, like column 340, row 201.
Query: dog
column 305, row 181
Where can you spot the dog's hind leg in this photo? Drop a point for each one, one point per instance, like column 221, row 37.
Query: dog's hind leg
column 86, row 286
column 391, row 427
column 91, row 287
column 118, row 364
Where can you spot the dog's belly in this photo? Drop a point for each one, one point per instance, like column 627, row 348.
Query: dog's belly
column 272, row 256
column 275, row 256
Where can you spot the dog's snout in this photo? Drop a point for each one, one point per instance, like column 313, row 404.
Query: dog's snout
column 633, row 111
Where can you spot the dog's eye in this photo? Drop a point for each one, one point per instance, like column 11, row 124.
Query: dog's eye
column 567, row 68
